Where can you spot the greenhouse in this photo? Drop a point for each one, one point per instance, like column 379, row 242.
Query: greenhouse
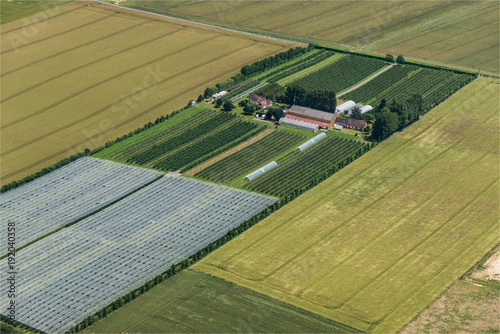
column 261, row 171
column 312, row 141
column 299, row 124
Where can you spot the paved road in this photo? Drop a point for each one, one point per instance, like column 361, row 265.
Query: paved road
column 370, row 78
column 203, row 24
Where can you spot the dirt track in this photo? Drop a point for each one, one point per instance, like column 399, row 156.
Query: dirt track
column 222, row 156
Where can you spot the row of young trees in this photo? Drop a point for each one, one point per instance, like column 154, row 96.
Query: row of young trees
column 272, row 61
column 260, row 66
column 396, row 115
column 317, row 99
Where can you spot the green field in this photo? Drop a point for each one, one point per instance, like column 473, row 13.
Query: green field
column 377, row 242
column 90, row 74
column 461, row 34
column 193, row 302
column 13, row 10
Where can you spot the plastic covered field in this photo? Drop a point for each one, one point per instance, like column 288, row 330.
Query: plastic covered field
column 69, row 193
column 77, row 271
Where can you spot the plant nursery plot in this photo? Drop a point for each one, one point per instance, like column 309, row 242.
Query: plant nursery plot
column 250, row 157
column 92, row 73
column 194, row 302
column 306, row 168
column 71, row 274
column 403, row 81
column 377, row 242
column 69, row 193
column 341, row 74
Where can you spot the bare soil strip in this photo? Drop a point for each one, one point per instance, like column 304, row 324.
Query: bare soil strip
column 222, row 156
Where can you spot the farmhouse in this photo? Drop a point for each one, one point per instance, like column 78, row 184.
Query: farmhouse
column 308, row 115
column 351, row 123
column 260, row 101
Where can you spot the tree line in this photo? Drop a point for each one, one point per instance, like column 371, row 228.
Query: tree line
column 396, row 115
column 317, row 99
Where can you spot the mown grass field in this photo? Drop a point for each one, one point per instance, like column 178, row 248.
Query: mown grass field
column 454, row 33
column 377, row 242
column 468, row 39
column 90, row 74
column 193, row 302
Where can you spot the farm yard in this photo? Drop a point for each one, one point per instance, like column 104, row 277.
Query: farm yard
column 117, row 250
column 90, row 74
column 161, row 140
column 406, row 220
column 193, row 302
column 462, row 34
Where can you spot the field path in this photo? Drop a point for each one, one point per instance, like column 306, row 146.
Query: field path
column 234, row 150
column 365, row 81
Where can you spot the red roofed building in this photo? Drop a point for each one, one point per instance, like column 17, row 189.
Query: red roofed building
column 351, row 123
column 260, row 101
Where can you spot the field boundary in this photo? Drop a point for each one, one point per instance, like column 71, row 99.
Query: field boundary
column 200, row 23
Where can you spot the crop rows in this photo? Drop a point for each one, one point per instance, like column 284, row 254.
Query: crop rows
column 182, row 138
column 240, row 90
column 432, row 84
column 341, row 74
column 69, row 193
column 72, row 274
column 288, row 70
column 250, row 157
column 307, row 167
column 295, row 63
column 204, row 146
column 139, row 143
column 379, row 84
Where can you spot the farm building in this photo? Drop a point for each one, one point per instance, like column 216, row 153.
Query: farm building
column 321, row 118
column 351, row 123
column 260, row 101
column 304, row 125
column 345, row 106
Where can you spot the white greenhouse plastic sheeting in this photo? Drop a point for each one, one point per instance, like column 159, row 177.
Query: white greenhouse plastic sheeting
column 71, row 274
column 300, row 125
column 366, row 109
column 261, row 171
column 312, row 141
column 346, row 106
column 69, row 193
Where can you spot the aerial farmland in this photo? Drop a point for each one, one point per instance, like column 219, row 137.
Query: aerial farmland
column 185, row 167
